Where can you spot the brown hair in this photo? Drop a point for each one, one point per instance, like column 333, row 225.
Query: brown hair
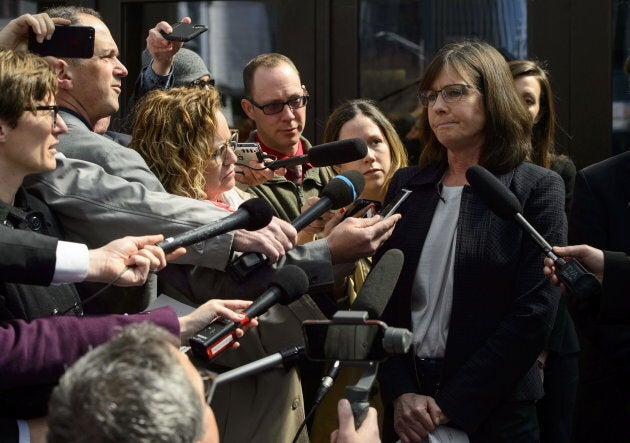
column 25, row 80
column 173, row 131
column 543, row 132
column 72, row 13
column 349, row 110
column 270, row 60
column 508, row 124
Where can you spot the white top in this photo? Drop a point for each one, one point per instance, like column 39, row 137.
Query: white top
column 432, row 290
column 72, row 263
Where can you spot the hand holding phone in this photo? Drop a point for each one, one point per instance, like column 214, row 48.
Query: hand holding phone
column 66, row 42
column 358, row 205
column 183, row 32
column 393, row 206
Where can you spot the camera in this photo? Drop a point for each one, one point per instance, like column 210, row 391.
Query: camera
column 351, row 337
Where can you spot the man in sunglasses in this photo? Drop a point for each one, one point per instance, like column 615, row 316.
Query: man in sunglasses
column 275, row 99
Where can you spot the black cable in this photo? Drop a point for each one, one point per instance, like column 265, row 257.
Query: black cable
column 97, row 293
column 324, row 387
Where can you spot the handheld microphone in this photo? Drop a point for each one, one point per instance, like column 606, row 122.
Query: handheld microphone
column 504, row 203
column 252, row 215
column 342, row 190
column 373, row 296
column 327, row 154
column 287, row 285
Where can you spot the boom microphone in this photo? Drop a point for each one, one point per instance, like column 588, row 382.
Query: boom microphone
column 379, row 284
column 504, row 203
column 327, row 154
column 252, row 215
column 287, row 285
column 342, row 190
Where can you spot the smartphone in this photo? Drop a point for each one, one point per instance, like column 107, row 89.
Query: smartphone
column 393, row 206
column 325, row 340
column 359, row 204
column 66, row 41
column 247, row 152
column 183, row 32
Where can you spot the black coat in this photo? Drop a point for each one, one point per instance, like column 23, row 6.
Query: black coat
column 503, row 306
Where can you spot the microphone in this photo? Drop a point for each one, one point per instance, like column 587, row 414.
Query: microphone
column 288, row 357
column 327, row 154
column 373, row 296
column 252, row 215
column 342, row 190
column 504, row 203
column 287, row 285
column 379, row 284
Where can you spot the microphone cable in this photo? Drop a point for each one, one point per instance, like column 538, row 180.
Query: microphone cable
column 97, row 293
column 324, row 387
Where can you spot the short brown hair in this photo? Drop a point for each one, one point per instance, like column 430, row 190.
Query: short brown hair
column 25, row 80
column 71, row 13
column 270, row 60
column 173, row 131
column 508, row 123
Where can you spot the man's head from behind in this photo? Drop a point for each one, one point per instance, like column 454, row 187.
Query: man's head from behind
column 91, row 86
column 275, row 101
column 137, row 387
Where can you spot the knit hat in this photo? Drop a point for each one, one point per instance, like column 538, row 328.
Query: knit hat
column 187, row 66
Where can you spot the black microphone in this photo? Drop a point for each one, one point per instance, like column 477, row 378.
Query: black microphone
column 373, row 296
column 379, row 284
column 287, row 285
column 327, row 154
column 342, row 190
column 252, row 215
column 504, row 203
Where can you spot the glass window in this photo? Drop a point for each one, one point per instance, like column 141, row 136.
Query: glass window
column 620, row 81
column 398, row 38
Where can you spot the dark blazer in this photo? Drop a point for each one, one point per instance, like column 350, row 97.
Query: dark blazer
column 27, row 257
column 503, row 306
column 600, row 217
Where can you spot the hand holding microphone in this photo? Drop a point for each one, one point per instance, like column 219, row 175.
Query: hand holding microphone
column 504, row 203
column 287, row 285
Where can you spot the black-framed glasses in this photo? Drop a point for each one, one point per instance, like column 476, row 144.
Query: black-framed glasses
column 450, row 94
column 53, row 108
column 277, row 107
column 219, row 153
column 201, row 83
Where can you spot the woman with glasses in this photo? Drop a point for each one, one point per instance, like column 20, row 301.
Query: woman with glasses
column 186, row 142
column 471, row 289
column 559, row 360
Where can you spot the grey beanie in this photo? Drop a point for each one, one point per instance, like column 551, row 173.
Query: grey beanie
column 187, row 66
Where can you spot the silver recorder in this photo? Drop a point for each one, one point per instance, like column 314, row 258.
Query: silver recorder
column 247, row 152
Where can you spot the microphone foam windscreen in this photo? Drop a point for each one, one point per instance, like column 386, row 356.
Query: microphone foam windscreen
column 293, row 282
column 260, row 213
column 344, row 188
column 379, row 284
column 493, row 193
column 337, row 152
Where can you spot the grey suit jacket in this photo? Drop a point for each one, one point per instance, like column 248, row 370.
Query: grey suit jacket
column 95, row 207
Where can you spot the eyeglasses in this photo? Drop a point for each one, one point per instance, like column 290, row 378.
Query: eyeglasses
column 219, row 153
column 277, row 107
column 54, row 109
column 450, row 94
column 201, row 83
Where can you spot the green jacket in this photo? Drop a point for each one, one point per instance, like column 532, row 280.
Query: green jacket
column 285, row 196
